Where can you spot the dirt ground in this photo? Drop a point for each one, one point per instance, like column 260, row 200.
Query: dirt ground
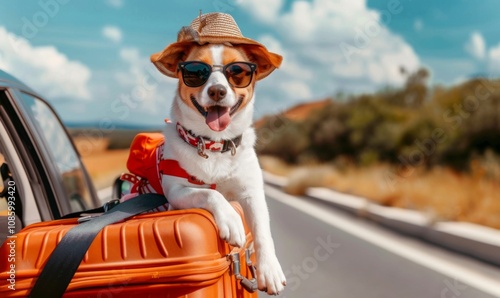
column 441, row 193
column 103, row 165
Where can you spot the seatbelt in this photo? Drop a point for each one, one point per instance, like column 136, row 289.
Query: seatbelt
column 68, row 254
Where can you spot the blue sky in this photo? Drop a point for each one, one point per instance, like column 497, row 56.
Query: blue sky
column 91, row 58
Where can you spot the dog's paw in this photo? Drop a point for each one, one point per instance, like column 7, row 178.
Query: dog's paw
column 231, row 228
column 270, row 276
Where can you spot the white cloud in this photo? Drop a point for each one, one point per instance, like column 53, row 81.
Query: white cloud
column 143, row 87
column 115, row 3
column 331, row 46
column 291, row 81
column 112, row 33
column 263, row 10
column 418, row 25
column 476, row 46
column 494, row 59
column 44, row 68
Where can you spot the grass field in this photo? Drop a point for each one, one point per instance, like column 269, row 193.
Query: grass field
column 102, row 164
column 440, row 192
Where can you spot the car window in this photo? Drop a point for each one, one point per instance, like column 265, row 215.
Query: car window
column 62, row 152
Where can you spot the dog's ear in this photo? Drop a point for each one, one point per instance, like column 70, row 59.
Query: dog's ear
column 266, row 61
column 166, row 61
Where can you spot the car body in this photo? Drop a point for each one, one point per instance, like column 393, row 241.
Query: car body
column 42, row 173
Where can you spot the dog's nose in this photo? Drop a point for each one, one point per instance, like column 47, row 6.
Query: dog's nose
column 217, row 92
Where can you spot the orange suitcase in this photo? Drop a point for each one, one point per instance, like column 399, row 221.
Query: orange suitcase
column 163, row 254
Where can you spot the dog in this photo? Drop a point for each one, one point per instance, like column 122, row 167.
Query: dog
column 211, row 135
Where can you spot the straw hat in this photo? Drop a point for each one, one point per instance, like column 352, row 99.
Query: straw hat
column 214, row 28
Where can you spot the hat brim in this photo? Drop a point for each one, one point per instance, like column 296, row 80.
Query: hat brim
column 166, row 61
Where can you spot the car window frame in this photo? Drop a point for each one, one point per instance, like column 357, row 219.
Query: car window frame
column 55, row 196
column 23, row 186
column 60, row 160
column 16, row 128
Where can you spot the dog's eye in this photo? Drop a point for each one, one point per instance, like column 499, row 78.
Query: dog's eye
column 239, row 74
column 235, row 69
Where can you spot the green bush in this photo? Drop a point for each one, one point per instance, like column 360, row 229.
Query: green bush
column 439, row 126
column 282, row 138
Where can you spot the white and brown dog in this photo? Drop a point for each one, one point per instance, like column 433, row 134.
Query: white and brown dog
column 211, row 136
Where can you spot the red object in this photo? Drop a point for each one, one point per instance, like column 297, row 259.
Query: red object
column 172, row 168
column 144, row 158
column 146, row 161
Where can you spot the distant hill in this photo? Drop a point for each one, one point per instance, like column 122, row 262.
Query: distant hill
column 301, row 111
column 116, row 126
column 119, row 137
column 298, row 112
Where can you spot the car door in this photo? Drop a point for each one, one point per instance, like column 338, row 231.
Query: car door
column 49, row 176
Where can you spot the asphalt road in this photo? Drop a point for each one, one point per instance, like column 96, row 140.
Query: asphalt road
column 321, row 260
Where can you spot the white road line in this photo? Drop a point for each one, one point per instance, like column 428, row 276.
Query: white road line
column 469, row 277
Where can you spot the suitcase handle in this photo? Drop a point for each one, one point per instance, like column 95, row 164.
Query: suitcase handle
column 248, row 284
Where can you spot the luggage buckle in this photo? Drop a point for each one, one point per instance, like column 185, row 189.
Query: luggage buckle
column 248, row 284
column 106, row 206
column 88, row 217
column 110, row 204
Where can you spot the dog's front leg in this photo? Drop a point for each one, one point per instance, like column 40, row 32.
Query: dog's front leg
column 270, row 276
column 227, row 219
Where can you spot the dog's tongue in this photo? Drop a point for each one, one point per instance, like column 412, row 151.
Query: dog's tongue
column 218, row 118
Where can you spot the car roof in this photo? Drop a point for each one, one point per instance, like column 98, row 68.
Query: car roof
column 7, row 80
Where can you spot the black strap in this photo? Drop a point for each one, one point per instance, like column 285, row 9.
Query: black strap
column 81, row 213
column 96, row 211
column 67, row 256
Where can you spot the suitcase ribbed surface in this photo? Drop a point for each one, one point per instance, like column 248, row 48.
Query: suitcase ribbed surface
column 164, row 254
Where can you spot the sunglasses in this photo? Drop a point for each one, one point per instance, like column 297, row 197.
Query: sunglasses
column 196, row 73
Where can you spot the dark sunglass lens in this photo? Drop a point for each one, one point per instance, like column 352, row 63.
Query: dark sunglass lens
column 195, row 74
column 239, row 74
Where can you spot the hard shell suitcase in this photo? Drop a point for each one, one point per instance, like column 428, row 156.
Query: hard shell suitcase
column 163, row 254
